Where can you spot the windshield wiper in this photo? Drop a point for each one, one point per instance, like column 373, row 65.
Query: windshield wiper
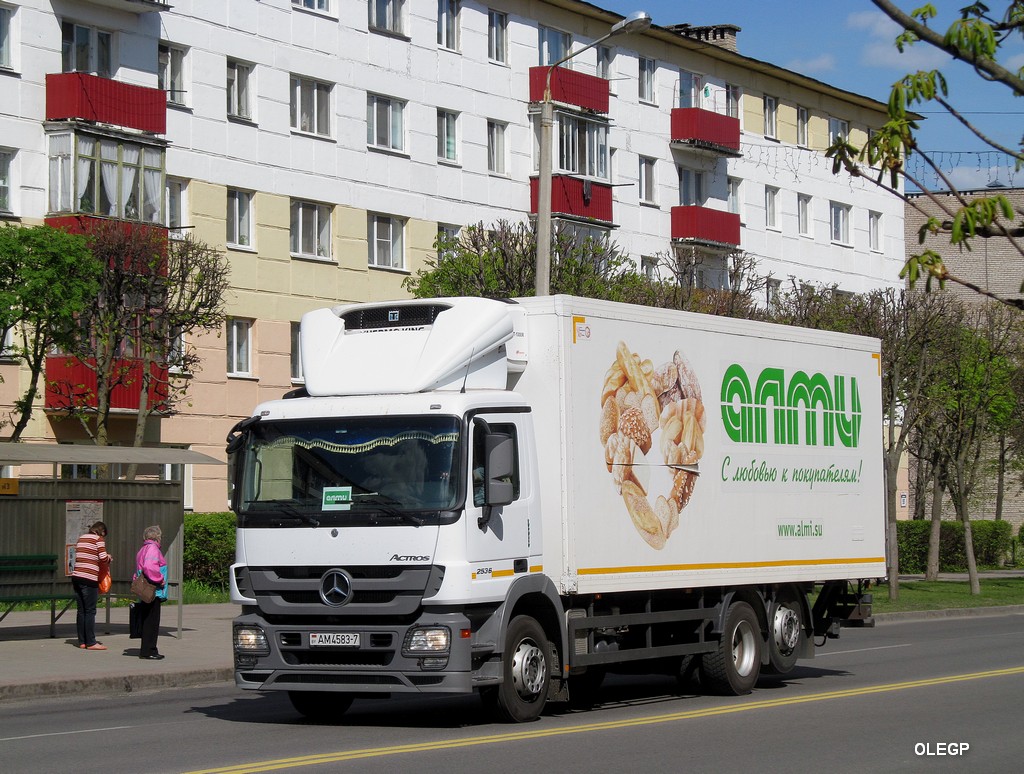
column 288, row 507
column 385, row 506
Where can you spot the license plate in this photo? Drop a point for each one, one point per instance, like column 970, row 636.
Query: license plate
column 333, row 640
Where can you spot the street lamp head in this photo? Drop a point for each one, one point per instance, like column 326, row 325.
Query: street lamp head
column 638, row 21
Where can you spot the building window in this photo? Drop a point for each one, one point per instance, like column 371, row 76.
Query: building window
column 647, row 180
column 296, row 352
column 581, row 234
column 311, row 106
column 773, row 287
column 239, row 347
column 85, row 50
column 837, row 130
column 803, row 214
column 497, row 36
column 840, row 219
column 8, row 347
column 310, row 230
column 771, row 116
column 448, row 24
column 6, row 159
column 239, row 218
column 645, row 82
column 582, row 146
column 496, row 147
column 554, row 45
column 171, row 73
column 387, row 15
column 106, row 177
column 771, row 207
column 649, row 266
column 447, row 137
column 733, row 94
column 604, row 62
column 385, row 123
column 875, row 231
column 803, row 121
column 385, row 238
column 314, row 5
column 691, row 188
column 734, row 196
column 689, row 89
column 176, row 207
column 5, row 37
column 238, row 75
column 447, row 239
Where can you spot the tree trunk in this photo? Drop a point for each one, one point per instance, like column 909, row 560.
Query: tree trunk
column 1000, row 476
column 892, row 564
column 932, row 572
column 972, row 564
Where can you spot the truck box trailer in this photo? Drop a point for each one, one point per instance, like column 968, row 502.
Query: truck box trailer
column 516, row 497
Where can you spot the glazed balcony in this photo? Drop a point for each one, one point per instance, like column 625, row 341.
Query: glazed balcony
column 72, row 385
column 706, row 227
column 85, row 97
column 576, row 198
column 707, row 131
column 569, row 87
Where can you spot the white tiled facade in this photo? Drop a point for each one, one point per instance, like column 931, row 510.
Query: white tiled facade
column 323, row 210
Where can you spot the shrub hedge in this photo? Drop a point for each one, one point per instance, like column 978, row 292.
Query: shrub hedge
column 209, row 548
column 992, row 544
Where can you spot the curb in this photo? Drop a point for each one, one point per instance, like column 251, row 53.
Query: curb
column 115, row 684
column 964, row 612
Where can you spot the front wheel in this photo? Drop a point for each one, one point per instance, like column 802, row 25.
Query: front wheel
column 526, row 671
column 732, row 668
column 320, row 705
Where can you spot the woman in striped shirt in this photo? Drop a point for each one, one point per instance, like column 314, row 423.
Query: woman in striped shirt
column 90, row 555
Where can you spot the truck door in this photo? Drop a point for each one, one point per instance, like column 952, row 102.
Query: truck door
column 498, row 542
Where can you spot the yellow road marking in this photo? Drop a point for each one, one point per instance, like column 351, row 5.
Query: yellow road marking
column 519, row 736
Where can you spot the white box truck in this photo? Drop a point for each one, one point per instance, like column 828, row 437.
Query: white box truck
column 516, row 497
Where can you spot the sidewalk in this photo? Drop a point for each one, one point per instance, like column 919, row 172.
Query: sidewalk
column 34, row 665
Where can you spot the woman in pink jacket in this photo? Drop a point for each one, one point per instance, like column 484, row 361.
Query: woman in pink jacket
column 150, row 562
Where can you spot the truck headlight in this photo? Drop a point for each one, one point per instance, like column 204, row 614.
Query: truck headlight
column 426, row 640
column 251, row 639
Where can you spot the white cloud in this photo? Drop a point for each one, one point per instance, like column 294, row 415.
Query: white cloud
column 822, row 64
column 880, row 49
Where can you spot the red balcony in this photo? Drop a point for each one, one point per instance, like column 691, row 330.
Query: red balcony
column 72, row 384
column 576, row 197
column 570, row 88
column 704, row 130
column 91, row 98
column 706, row 227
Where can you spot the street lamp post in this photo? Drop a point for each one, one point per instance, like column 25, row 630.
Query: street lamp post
column 638, row 21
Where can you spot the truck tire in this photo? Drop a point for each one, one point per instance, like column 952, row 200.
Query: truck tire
column 320, row 705
column 785, row 633
column 732, row 668
column 526, row 671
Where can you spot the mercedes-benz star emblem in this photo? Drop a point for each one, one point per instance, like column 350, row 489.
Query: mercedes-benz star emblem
column 335, row 588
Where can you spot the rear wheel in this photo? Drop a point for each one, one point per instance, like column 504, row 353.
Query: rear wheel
column 786, row 633
column 526, row 671
column 320, row 705
column 733, row 667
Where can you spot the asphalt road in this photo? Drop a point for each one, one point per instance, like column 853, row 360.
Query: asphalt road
column 901, row 697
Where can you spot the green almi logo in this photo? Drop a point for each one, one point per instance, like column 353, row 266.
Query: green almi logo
column 746, row 408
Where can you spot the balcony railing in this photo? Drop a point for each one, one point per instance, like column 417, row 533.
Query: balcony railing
column 86, row 97
column 134, row 6
column 570, row 87
column 71, row 384
column 576, row 197
column 706, row 227
column 705, row 130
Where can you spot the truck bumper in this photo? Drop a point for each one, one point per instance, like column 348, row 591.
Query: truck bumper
column 380, row 664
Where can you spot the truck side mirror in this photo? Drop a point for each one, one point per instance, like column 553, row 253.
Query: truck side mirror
column 499, row 451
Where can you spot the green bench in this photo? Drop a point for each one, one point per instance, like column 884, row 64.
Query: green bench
column 32, row 578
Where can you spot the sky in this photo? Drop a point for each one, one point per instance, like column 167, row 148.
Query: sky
column 850, row 44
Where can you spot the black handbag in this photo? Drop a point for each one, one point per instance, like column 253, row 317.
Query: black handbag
column 134, row 621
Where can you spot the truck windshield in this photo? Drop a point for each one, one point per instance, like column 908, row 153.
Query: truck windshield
column 350, row 471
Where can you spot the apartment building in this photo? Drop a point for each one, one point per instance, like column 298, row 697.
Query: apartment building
column 324, row 144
